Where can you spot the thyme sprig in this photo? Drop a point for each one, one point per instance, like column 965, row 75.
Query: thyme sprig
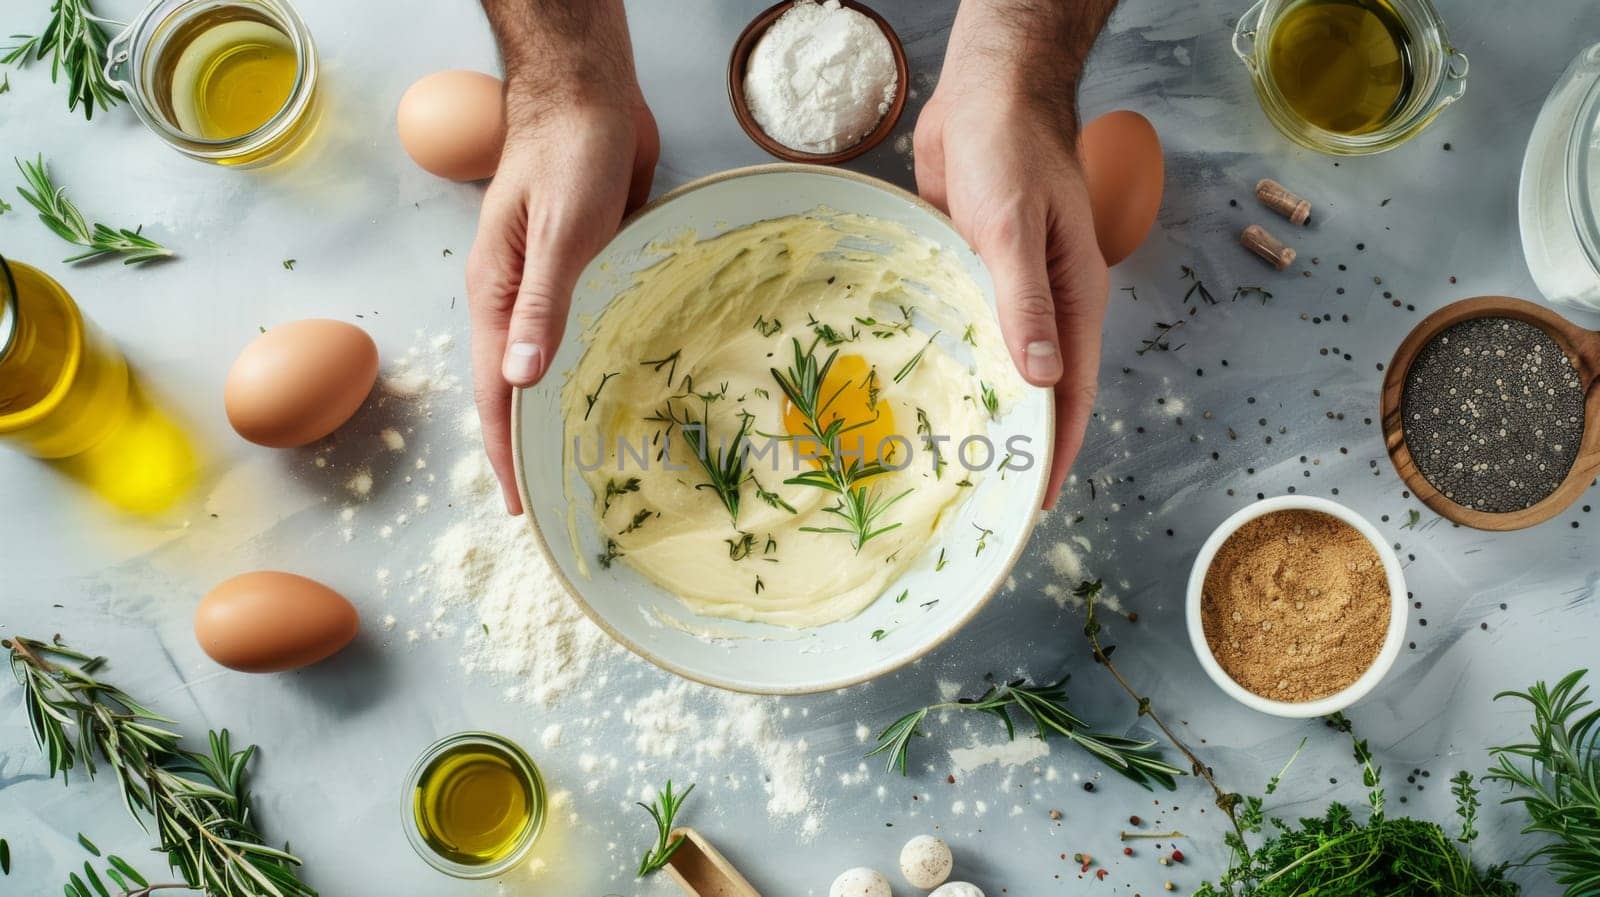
column 198, row 802
column 1046, row 707
column 65, row 220
column 1556, row 779
column 75, row 40
column 664, row 810
column 859, row 506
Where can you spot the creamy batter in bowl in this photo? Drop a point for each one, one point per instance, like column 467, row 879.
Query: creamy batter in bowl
column 703, row 315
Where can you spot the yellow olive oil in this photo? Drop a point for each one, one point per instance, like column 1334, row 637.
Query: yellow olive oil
column 1342, row 65
column 66, row 394
column 474, row 803
column 228, row 72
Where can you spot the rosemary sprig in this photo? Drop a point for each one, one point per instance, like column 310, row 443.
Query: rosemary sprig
column 75, row 40
column 909, row 366
column 664, row 811
column 1046, row 707
column 1556, row 779
column 724, row 468
column 128, row 879
column 990, row 398
column 198, row 802
column 63, row 218
column 859, row 506
column 670, row 362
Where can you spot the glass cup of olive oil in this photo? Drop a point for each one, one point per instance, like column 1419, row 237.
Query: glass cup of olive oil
column 1350, row 77
column 475, row 805
column 232, row 82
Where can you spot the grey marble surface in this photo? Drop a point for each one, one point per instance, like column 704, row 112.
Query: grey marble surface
column 368, row 231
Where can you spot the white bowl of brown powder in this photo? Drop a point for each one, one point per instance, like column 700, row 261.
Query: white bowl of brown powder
column 1297, row 606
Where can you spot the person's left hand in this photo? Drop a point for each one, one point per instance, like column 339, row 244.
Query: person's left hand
column 1008, row 173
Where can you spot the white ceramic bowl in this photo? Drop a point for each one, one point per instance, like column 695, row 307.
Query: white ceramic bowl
column 1398, row 611
column 756, row 657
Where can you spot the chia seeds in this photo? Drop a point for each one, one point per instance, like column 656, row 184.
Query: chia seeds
column 1493, row 414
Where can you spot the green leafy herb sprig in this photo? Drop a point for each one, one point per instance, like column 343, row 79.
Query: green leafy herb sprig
column 63, row 218
column 1046, row 707
column 1338, row 856
column 129, row 881
column 199, row 803
column 1556, row 779
column 664, row 810
column 860, row 507
column 724, row 467
column 75, row 40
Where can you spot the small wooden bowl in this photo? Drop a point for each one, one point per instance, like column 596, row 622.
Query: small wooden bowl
column 1582, row 346
column 746, row 44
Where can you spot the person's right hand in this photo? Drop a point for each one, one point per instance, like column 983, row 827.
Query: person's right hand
column 567, row 175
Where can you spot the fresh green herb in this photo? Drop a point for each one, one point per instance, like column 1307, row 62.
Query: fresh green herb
column 925, row 430
column 198, row 802
column 909, row 366
column 5, row 857
column 1466, row 794
column 759, row 584
column 612, row 552
column 664, row 810
column 66, row 221
column 771, row 546
column 761, row 392
column 1262, row 294
column 660, row 363
column 288, row 264
column 859, row 506
column 1162, row 341
column 446, row 253
column 1413, row 517
column 1046, row 707
column 741, row 548
column 829, row 335
column 1556, row 779
column 773, row 499
column 5, row 83
column 983, row 539
column 593, row 397
column 127, row 879
column 615, row 490
column 939, row 564
column 991, row 400
column 878, row 636
column 724, row 469
column 4, row 207
column 901, row 598
column 1196, row 287
column 639, row 518
column 970, row 337
column 75, row 40
column 766, row 327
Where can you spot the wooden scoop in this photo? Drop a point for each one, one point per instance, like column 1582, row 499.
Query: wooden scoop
column 702, row 871
column 1582, row 346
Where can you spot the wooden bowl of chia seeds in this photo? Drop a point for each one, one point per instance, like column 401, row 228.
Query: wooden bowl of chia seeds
column 1491, row 412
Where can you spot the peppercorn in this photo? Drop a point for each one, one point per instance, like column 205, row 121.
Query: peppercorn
column 1177, row 856
column 1088, row 786
column 1134, row 820
column 1127, row 851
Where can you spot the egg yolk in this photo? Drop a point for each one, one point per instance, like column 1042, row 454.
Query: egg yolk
column 853, row 386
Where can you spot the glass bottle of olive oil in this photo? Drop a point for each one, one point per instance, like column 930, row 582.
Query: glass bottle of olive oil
column 1342, row 65
column 67, row 395
column 476, row 805
column 228, row 71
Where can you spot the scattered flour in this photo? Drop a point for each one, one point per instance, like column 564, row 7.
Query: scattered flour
column 1004, row 753
column 392, row 440
column 360, row 485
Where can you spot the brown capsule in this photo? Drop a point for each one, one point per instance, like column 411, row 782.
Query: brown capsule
column 1279, row 199
column 1256, row 239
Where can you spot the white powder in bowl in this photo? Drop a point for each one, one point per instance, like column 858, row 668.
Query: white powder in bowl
column 821, row 77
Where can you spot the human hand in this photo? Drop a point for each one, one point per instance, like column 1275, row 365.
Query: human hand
column 567, row 176
column 1002, row 160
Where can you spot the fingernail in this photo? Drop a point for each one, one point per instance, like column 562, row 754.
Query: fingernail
column 523, row 364
column 1044, row 360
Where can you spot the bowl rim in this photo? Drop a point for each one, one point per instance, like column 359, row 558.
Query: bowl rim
column 739, row 59
column 1399, row 608
column 884, row 667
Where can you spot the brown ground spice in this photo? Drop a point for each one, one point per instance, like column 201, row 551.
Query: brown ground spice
column 1296, row 605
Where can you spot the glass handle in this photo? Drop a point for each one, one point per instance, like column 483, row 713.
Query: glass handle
column 1455, row 68
column 1244, row 34
column 117, row 56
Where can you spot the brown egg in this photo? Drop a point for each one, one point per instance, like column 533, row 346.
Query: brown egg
column 453, row 124
column 268, row 622
column 300, row 381
column 1122, row 164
